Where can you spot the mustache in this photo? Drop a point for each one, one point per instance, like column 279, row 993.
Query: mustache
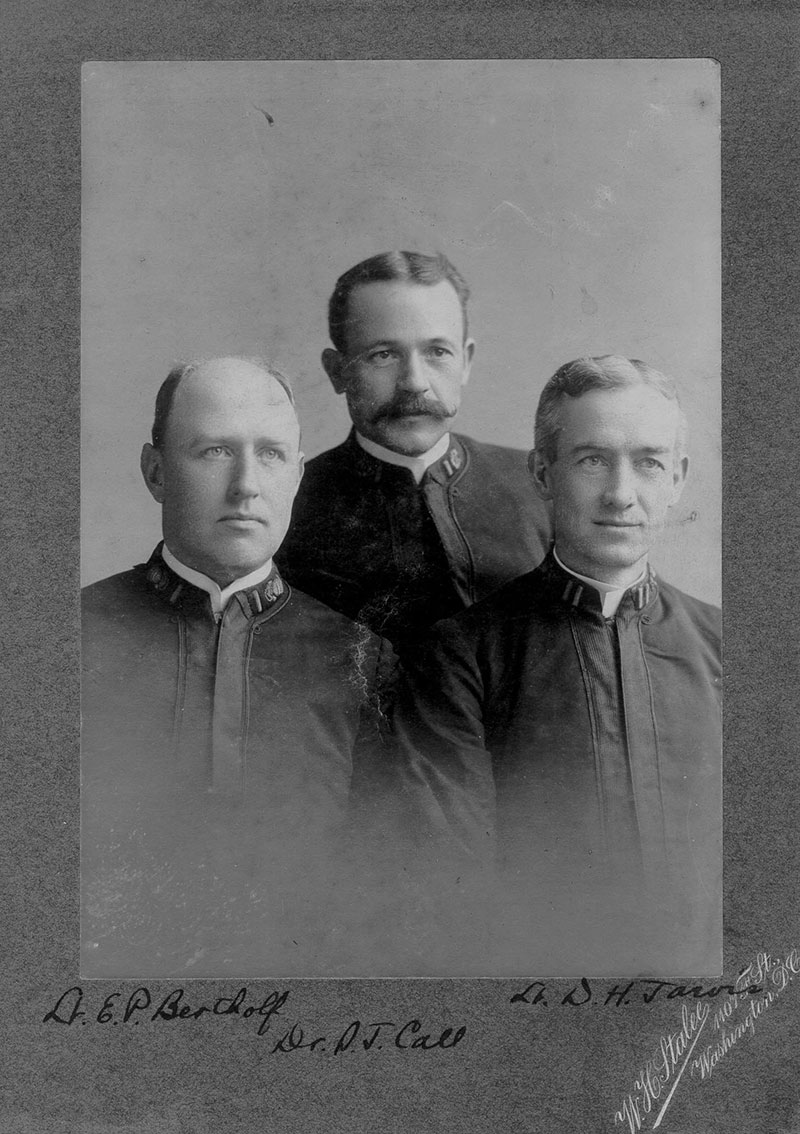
column 406, row 405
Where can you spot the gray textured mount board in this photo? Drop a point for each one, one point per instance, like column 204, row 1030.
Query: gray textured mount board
column 520, row 1066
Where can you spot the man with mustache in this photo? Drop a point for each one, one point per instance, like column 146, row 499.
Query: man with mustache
column 227, row 717
column 407, row 522
column 573, row 716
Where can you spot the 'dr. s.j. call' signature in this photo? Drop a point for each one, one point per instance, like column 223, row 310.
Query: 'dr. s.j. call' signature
column 269, row 1013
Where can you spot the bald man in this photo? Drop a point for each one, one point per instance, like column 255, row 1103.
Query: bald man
column 225, row 715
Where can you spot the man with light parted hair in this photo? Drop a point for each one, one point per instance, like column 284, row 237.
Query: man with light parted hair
column 407, row 522
column 567, row 729
column 226, row 716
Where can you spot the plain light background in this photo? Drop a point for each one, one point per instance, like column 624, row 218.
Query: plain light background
column 580, row 199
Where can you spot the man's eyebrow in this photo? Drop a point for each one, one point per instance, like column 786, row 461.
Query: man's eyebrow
column 224, row 439
column 650, row 450
column 389, row 342
column 587, row 446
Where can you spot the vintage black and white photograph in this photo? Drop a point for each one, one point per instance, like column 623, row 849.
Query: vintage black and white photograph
column 401, row 505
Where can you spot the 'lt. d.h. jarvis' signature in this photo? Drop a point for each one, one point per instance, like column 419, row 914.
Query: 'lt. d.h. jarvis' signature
column 642, row 990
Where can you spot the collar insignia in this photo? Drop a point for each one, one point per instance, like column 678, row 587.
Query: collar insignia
column 273, row 588
column 159, row 577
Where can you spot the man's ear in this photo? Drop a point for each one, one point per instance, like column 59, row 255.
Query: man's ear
column 334, row 364
column 539, row 468
column 152, row 468
column 469, row 354
column 679, row 474
column 301, row 467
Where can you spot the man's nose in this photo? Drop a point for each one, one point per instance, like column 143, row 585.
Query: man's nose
column 620, row 489
column 244, row 476
column 413, row 375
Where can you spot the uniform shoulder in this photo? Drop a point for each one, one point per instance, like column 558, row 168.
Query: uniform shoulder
column 705, row 616
column 327, row 477
column 496, row 455
column 313, row 625
column 511, row 603
column 328, row 461
column 326, row 620
column 110, row 591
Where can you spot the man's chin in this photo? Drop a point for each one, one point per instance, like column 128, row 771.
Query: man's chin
column 242, row 560
column 231, row 572
column 605, row 563
column 412, row 436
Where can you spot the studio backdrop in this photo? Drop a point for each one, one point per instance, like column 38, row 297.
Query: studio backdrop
column 221, row 201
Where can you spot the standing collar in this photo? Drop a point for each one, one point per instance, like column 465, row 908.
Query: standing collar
column 255, row 592
column 580, row 593
column 416, row 465
column 219, row 596
column 445, row 462
column 610, row 596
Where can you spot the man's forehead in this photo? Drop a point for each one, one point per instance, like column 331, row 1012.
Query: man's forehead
column 387, row 309
column 231, row 394
column 237, row 374
column 635, row 416
column 625, row 404
column 389, row 295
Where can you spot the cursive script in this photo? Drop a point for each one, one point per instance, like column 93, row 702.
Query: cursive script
column 730, row 1024
column 661, row 1074
column 72, row 1007
column 639, row 991
column 289, row 1035
column 657, row 1080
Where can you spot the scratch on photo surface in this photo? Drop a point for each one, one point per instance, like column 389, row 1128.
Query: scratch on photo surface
column 360, row 656
column 603, row 195
column 544, row 230
column 588, row 303
column 578, row 223
column 701, row 877
column 656, row 112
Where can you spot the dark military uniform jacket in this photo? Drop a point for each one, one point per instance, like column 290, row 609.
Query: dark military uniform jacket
column 218, row 760
column 370, row 542
column 585, row 753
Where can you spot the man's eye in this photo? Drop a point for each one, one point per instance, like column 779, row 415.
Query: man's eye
column 650, row 463
column 215, row 451
column 382, row 357
column 441, row 352
column 592, row 461
column 271, row 455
